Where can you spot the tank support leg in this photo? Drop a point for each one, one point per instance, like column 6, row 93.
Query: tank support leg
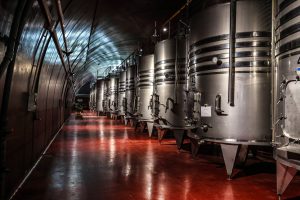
column 161, row 134
column 194, row 147
column 179, row 137
column 150, row 128
column 229, row 152
column 125, row 121
column 284, row 177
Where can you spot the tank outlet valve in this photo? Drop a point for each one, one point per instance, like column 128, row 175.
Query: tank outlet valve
column 205, row 127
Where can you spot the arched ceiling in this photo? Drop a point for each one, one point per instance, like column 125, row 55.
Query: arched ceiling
column 102, row 33
column 99, row 33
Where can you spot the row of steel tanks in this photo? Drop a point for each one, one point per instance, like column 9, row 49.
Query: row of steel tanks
column 230, row 77
column 215, row 85
column 106, row 93
column 286, row 92
column 116, row 94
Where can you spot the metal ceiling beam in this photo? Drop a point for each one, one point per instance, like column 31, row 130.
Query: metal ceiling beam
column 51, row 28
column 61, row 21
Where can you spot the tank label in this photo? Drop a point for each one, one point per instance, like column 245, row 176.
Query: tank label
column 205, row 111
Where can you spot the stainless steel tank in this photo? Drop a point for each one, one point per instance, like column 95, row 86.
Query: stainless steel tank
column 130, row 90
column 170, row 82
column 106, row 96
column 100, row 95
column 93, row 97
column 145, row 88
column 249, row 119
column 113, row 93
column 287, row 92
column 121, row 95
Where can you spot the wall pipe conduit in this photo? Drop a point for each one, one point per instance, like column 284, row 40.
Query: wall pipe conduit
column 20, row 17
column 12, row 40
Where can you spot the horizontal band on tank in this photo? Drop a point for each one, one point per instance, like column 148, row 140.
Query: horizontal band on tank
column 289, row 55
column 146, row 71
column 237, row 72
column 290, row 15
column 289, row 31
column 248, row 54
column 169, row 61
column 169, row 79
column 289, row 46
column 146, row 75
column 130, row 88
column 226, row 46
column 226, row 37
column 130, row 81
column 285, row 4
column 145, row 81
column 170, row 73
column 170, row 83
column 226, row 65
column 171, row 67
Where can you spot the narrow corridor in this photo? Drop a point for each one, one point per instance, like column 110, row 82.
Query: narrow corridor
column 97, row 158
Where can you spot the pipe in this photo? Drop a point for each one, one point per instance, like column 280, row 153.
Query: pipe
column 42, row 55
column 12, row 40
column 176, row 70
column 177, row 12
column 231, row 80
column 91, row 31
column 46, row 12
column 274, row 77
column 61, row 21
column 16, row 33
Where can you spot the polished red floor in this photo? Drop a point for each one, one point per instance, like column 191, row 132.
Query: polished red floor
column 96, row 158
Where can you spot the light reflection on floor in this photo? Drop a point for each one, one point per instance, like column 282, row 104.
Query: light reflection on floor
column 98, row 158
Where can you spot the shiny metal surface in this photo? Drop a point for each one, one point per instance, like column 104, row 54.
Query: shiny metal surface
column 169, row 97
column 106, row 100
column 145, row 87
column 113, row 93
column 249, row 119
column 130, row 94
column 121, row 93
column 93, row 97
column 100, row 95
column 287, row 63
